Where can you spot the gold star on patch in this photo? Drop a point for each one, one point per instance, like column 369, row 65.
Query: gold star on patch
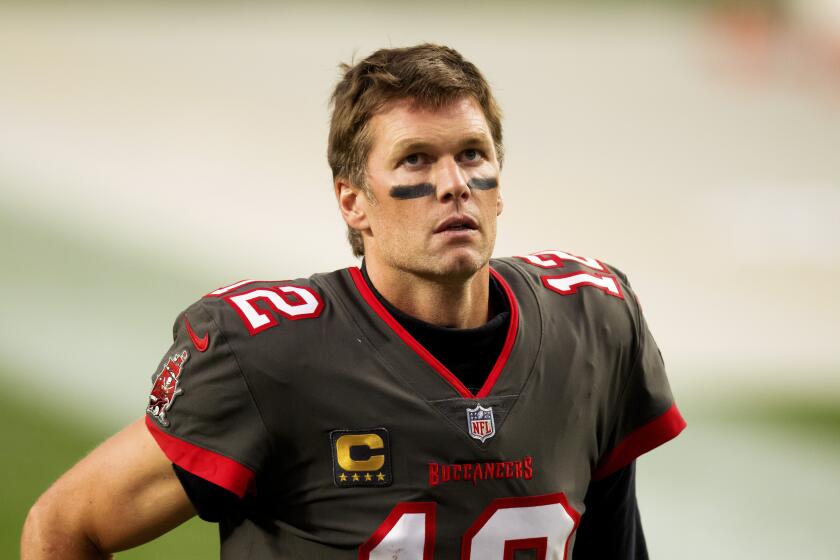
column 355, row 477
column 342, row 477
column 368, row 477
column 380, row 477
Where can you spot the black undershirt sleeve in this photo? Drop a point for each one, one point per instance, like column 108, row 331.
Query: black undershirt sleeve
column 212, row 502
column 611, row 527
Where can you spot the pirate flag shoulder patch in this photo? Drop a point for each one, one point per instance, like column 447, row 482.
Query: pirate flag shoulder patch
column 166, row 388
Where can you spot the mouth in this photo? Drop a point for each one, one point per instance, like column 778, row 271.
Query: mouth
column 457, row 224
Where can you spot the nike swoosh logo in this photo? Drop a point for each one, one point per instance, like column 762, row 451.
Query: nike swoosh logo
column 200, row 344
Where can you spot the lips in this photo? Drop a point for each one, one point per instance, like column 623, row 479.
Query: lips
column 457, row 223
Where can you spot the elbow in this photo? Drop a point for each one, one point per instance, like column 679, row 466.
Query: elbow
column 47, row 533
column 34, row 540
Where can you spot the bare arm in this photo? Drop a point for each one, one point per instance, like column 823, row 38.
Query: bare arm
column 123, row 494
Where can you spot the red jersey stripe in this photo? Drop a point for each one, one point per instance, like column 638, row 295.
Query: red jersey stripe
column 650, row 436
column 210, row 466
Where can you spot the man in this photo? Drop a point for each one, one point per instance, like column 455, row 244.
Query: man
column 432, row 404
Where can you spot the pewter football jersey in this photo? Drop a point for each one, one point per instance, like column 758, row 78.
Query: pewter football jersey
column 348, row 440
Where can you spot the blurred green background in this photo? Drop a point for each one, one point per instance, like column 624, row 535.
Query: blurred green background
column 152, row 152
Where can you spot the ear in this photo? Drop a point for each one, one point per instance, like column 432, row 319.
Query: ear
column 352, row 203
column 499, row 202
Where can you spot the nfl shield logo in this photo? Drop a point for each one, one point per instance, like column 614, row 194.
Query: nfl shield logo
column 480, row 422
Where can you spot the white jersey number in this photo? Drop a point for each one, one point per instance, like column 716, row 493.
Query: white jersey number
column 554, row 259
column 539, row 523
column 291, row 302
column 568, row 284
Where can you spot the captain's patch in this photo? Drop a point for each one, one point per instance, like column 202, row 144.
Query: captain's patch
column 361, row 457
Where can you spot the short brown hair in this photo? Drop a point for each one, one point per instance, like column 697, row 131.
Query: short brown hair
column 431, row 75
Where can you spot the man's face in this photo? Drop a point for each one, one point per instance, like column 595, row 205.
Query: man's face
column 434, row 177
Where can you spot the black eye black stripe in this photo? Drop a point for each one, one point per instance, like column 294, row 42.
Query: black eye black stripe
column 483, row 184
column 405, row 192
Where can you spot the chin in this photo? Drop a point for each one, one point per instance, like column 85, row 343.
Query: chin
column 460, row 264
column 451, row 264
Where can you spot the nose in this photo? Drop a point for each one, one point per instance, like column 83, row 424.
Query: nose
column 451, row 181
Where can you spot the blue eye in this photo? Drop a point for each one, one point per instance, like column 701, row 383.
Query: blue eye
column 415, row 161
column 471, row 155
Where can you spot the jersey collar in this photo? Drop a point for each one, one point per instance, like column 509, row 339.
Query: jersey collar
column 370, row 298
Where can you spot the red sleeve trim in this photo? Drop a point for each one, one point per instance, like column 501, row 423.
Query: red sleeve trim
column 210, row 466
column 653, row 434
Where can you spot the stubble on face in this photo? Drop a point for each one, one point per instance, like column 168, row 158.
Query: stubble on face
column 409, row 201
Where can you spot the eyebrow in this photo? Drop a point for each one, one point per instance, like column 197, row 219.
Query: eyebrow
column 411, row 145
column 406, row 192
column 476, row 140
column 408, row 146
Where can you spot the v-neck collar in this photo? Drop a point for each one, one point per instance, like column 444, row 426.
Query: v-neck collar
column 380, row 310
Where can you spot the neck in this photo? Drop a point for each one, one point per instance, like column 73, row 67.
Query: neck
column 460, row 303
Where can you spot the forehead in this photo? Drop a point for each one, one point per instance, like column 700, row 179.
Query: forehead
column 404, row 121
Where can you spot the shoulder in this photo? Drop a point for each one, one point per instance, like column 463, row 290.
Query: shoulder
column 566, row 273
column 562, row 281
column 249, row 307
